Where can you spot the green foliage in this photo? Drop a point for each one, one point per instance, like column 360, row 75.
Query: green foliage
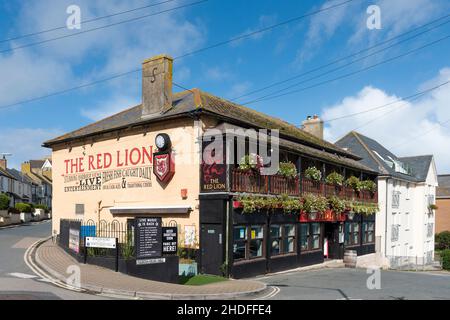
column 43, row 207
column 24, row 207
column 354, row 183
column 313, row 173
column 252, row 204
column 335, row 179
column 313, row 203
column 250, row 162
column 363, row 208
column 4, row 201
column 201, row 279
column 432, row 207
column 368, row 185
column 287, row 169
column 445, row 255
column 291, row 205
column 336, row 204
column 127, row 248
column 442, row 240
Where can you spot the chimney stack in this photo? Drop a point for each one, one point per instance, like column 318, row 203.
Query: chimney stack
column 156, row 85
column 3, row 163
column 313, row 125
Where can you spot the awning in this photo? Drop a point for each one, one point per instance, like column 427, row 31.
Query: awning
column 150, row 210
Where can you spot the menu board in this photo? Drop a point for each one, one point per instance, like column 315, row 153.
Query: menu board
column 169, row 240
column 148, row 236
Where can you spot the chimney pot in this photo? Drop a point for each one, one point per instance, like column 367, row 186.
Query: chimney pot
column 156, row 85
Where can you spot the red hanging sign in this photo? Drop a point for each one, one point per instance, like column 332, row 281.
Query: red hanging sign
column 163, row 166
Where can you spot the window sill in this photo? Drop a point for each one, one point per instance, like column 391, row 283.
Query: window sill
column 284, row 255
column 310, row 251
column 247, row 261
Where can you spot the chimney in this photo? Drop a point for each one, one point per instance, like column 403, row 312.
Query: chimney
column 3, row 163
column 313, row 125
column 156, row 85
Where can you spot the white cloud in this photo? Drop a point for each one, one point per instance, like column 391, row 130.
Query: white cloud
column 264, row 21
column 238, row 89
column 108, row 108
column 407, row 129
column 217, row 74
column 25, row 143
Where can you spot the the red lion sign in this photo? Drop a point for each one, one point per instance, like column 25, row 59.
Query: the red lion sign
column 163, row 166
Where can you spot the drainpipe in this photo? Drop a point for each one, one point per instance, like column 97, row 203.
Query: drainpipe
column 226, row 238
column 385, row 221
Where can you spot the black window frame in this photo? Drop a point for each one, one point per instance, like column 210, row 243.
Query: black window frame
column 247, row 241
column 282, row 237
column 310, row 237
column 365, row 232
column 350, row 234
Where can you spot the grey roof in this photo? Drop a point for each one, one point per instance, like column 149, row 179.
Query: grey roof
column 36, row 164
column 368, row 149
column 195, row 101
column 19, row 176
column 443, row 190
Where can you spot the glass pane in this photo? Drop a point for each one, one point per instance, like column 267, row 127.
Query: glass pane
column 256, row 248
column 315, row 228
column 355, row 238
column 289, row 230
column 275, row 231
column 304, row 242
column 257, row 232
column 370, row 236
column 316, row 241
column 239, row 250
column 356, row 227
column 288, row 245
column 304, row 229
column 240, row 233
column 371, row 226
column 275, row 247
column 365, row 226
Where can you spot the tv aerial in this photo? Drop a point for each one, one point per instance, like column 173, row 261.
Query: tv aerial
column 5, row 154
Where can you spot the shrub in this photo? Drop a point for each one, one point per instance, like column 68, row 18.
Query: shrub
column 24, row 207
column 442, row 240
column 4, row 202
column 354, row 183
column 251, row 162
column 445, row 255
column 43, row 207
column 313, row 173
column 291, row 205
column 313, row 203
column 287, row 169
column 335, row 179
column 336, row 204
column 369, row 185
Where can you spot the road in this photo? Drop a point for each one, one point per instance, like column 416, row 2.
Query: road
column 17, row 280
column 351, row 284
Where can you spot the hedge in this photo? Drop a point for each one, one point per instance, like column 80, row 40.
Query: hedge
column 442, row 240
column 4, row 202
column 445, row 255
column 24, row 207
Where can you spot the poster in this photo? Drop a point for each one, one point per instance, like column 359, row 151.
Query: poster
column 189, row 235
column 74, row 240
column 148, row 237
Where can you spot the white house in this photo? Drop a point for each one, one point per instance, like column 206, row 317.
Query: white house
column 406, row 187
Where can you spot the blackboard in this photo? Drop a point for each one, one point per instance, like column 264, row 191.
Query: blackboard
column 148, row 236
column 169, row 240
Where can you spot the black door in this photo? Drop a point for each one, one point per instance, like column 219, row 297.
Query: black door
column 211, row 248
column 335, row 248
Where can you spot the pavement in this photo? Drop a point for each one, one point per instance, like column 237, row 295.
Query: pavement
column 55, row 264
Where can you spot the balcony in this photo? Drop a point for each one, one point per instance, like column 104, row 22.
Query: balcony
column 252, row 182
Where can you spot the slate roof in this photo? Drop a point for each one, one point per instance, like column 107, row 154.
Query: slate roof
column 368, row 149
column 196, row 102
column 443, row 190
column 5, row 173
column 36, row 164
column 19, row 176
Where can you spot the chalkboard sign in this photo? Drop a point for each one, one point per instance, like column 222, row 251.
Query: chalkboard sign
column 148, row 236
column 169, row 240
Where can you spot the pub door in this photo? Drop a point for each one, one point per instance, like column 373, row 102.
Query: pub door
column 332, row 233
column 211, row 248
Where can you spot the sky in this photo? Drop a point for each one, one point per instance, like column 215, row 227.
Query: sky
column 357, row 84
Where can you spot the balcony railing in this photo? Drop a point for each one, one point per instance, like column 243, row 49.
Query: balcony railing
column 252, row 182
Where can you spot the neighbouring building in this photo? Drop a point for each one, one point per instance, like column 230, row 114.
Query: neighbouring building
column 405, row 226
column 149, row 161
column 443, row 203
column 40, row 173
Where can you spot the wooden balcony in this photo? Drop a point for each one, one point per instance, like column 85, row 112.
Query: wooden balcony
column 252, row 182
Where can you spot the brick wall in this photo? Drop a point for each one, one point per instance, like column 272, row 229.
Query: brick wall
column 443, row 215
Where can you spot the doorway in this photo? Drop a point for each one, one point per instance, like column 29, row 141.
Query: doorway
column 333, row 239
column 211, row 248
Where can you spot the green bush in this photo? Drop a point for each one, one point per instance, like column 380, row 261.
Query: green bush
column 4, row 202
column 287, row 169
column 442, row 240
column 445, row 255
column 43, row 207
column 354, row 183
column 335, row 179
column 369, row 185
column 313, row 173
column 24, row 207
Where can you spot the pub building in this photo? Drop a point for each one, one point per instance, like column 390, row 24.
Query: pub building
column 148, row 161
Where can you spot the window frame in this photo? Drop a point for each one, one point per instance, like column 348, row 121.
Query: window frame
column 365, row 232
column 248, row 240
column 350, row 234
column 282, row 237
column 310, row 237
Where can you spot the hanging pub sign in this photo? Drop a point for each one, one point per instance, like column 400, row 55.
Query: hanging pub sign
column 213, row 175
column 163, row 160
column 169, row 240
column 148, row 236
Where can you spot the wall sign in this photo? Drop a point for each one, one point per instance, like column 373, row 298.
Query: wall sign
column 74, row 240
column 213, row 175
column 164, row 166
column 150, row 261
column 169, row 240
column 95, row 242
column 148, row 236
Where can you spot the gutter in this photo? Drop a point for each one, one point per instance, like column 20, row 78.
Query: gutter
column 386, row 217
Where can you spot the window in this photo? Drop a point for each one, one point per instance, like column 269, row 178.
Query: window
column 395, row 199
column 79, row 209
column 368, row 232
column 248, row 242
column 407, row 192
column 310, row 236
column 282, row 239
column 352, row 233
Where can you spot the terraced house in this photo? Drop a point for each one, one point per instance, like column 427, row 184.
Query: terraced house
column 162, row 158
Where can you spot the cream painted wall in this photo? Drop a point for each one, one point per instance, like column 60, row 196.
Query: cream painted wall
column 183, row 134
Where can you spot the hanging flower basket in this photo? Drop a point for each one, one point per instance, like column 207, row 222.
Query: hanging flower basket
column 237, row 204
column 351, row 215
column 312, row 215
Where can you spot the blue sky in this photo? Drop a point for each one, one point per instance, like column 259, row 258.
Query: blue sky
column 227, row 71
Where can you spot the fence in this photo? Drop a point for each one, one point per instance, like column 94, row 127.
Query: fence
column 425, row 263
